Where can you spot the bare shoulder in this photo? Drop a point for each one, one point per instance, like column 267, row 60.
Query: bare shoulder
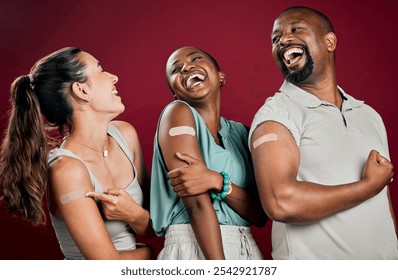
column 129, row 133
column 67, row 166
column 68, row 173
column 177, row 114
column 177, row 133
column 127, row 129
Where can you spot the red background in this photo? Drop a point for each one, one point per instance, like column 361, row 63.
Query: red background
column 134, row 38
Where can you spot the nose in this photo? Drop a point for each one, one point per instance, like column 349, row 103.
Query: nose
column 114, row 78
column 285, row 38
column 186, row 67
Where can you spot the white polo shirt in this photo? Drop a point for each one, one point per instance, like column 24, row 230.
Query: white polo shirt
column 334, row 146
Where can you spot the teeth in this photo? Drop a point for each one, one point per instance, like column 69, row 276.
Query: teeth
column 195, row 84
column 287, row 53
column 201, row 77
column 197, row 75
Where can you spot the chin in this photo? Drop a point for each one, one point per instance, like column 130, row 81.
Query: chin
column 118, row 111
column 122, row 110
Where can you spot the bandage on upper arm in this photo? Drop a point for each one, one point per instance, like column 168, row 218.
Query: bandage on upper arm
column 72, row 196
column 264, row 138
column 182, row 130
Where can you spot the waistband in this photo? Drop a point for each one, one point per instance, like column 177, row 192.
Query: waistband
column 231, row 235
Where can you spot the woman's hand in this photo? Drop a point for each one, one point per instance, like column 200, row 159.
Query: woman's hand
column 195, row 178
column 117, row 204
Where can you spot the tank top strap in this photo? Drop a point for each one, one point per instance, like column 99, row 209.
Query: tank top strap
column 116, row 134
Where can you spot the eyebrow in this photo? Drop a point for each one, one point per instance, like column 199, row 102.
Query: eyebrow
column 290, row 23
column 296, row 22
column 188, row 55
column 191, row 53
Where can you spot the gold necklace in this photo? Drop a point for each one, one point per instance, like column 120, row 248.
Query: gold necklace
column 104, row 151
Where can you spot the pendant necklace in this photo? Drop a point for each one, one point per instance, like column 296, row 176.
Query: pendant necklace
column 104, row 151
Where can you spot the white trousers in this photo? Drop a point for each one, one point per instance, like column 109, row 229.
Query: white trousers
column 238, row 243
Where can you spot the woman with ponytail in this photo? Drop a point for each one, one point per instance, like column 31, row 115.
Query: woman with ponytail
column 93, row 179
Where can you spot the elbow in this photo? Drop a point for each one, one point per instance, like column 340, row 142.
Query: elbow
column 278, row 215
column 280, row 205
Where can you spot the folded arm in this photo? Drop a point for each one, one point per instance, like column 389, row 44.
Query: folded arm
column 195, row 178
column 202, row 216
column 285, row 199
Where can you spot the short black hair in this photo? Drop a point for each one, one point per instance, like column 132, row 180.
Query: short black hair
column 327, row 25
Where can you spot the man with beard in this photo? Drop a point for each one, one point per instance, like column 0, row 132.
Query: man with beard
column 320, row 155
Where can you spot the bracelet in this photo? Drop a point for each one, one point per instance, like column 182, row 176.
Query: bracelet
column 226, row 188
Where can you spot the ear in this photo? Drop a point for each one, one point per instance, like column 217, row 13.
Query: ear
column 80, row 90
column 331, row 41
column 222, row 78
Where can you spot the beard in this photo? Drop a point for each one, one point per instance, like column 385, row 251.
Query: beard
column 298, row 76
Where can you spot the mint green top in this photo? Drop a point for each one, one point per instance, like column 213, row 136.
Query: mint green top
column 167, row 208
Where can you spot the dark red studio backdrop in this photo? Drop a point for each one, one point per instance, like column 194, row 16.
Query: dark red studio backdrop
column 134, row 38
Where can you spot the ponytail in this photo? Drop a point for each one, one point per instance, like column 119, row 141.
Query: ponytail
column 42, row 95
column 23, row 155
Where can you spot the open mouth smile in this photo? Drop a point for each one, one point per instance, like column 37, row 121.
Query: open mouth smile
column 192, row 80
column 291, row 55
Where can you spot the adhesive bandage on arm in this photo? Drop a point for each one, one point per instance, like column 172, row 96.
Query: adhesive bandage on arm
column 72, row 196
column 265, row 138
column 180, row 130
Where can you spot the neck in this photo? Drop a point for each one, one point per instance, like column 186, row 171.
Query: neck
column 325, row 89
column 211, row 114
column 94, row 140
column 103, row 151
column 88, row 137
